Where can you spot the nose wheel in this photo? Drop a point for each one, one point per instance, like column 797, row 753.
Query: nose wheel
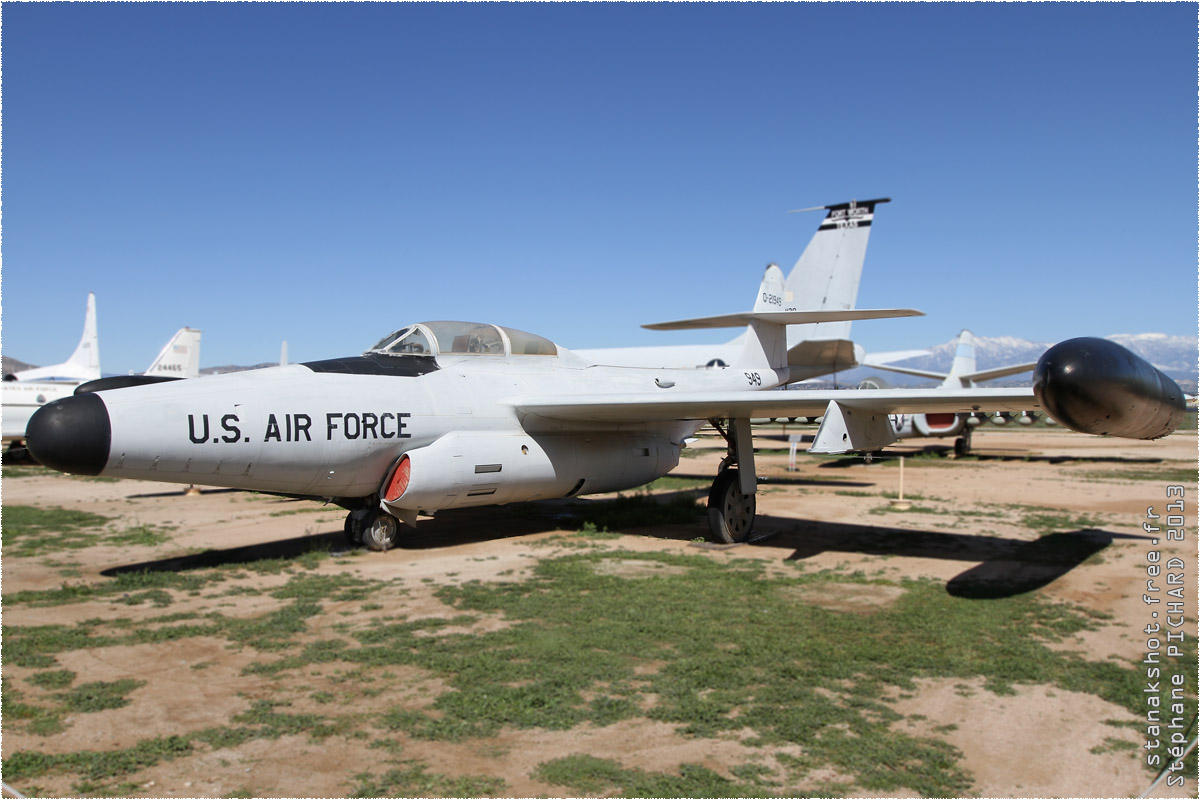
column 730, row 512
column 372, row 528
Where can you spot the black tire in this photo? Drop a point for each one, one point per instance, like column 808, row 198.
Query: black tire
column 730, row 513
column 354, row 527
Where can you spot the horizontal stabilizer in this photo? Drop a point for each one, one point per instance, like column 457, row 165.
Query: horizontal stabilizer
column 784, row 318
column 967, row 378
column 920, row 373
column 892, row 356
column 998, row 372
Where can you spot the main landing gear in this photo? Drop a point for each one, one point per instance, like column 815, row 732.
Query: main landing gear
column 371, row 528
column 731, row 501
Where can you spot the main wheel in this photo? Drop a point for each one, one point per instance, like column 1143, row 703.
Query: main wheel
column 730, row 513
column 379, row 533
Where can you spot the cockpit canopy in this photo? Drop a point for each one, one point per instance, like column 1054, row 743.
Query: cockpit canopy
column 462, row 338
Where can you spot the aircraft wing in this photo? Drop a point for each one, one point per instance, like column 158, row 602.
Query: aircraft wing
column 576, row 412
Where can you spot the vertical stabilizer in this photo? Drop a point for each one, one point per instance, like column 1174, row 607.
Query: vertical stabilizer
column 964, row 363
column 84, row 363
column 827, row 274
column 771, row 291
column 764, row 344
column 180, row 358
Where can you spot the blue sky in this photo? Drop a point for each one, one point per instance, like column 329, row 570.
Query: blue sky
column 325, row 173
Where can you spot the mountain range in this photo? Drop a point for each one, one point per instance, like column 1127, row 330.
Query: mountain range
column 1177, row 356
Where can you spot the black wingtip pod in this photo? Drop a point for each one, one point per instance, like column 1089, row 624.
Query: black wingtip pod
column 1097, row 386
column 71, row 434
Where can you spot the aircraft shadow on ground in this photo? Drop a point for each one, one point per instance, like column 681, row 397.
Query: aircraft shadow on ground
column 1002, row 567
column 179, row 493
column 933, row 453
column 771, row 480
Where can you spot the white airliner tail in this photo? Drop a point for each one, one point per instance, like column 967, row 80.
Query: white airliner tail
column 964, row 362
column 963, row 373
column 180, row 358
column 84, row 363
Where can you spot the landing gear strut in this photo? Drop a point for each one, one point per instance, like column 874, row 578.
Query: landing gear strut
column 962, row 445
column 731, row 501
column 371, row 528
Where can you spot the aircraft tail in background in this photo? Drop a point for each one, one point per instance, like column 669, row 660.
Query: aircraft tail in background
column 84, row 363
column 963, row 372
column 826, row 277
column 180, row 358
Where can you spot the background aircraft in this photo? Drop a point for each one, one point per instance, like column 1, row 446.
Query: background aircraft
column 962, row 375
column 22, row 396
column 179, row 358
column 442, row 415
column 27, row 390
column 824, row 278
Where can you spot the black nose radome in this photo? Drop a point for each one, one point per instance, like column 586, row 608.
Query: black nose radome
column 71, row 434
column 1097, row 386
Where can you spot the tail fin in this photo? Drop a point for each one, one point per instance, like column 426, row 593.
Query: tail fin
column 180, row 358
column 84, row 363
column 771, row 291
column 964, row 362
column 963, row 373
column 827, row 274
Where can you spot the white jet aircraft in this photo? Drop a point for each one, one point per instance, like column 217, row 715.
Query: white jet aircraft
column 962, row 375
column 26, row 391
column 442, row 415
column 179, row 358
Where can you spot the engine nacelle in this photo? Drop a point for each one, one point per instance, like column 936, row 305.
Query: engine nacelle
column 472, row 469
column 937, row 424
column 873, row 382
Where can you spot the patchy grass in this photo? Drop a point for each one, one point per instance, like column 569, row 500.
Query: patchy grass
column 413, row 779
column 1046, row 520
column 585, row 774
column 715, row 647
column 29, row 531
column 1186, row 476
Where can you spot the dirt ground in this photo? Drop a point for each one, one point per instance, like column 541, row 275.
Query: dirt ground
column 1040, row 741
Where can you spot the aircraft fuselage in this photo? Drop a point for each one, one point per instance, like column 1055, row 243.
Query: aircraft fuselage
column 333, row 428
